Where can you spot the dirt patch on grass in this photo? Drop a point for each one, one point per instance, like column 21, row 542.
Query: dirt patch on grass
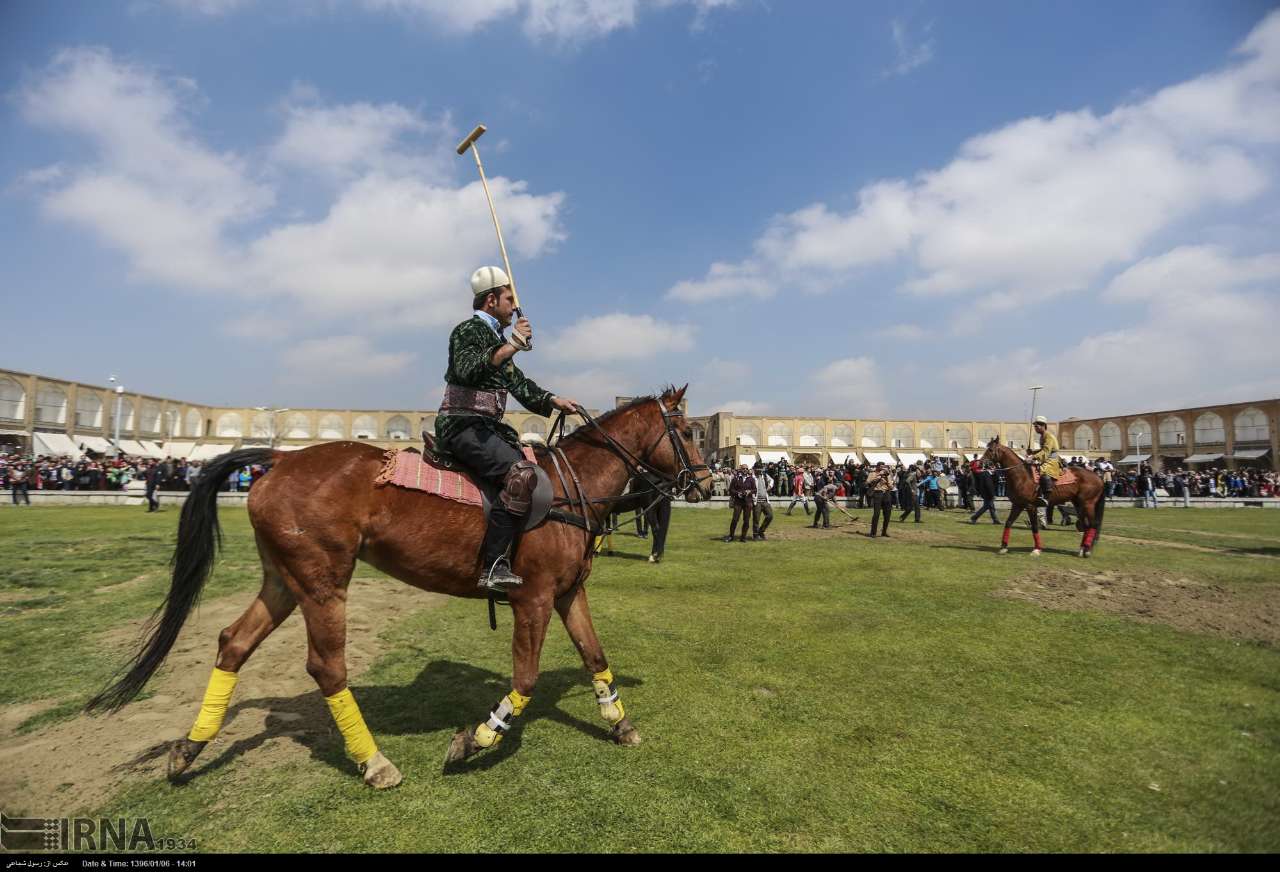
column 79, row 764
column 1186, row 546
column 1249, row 612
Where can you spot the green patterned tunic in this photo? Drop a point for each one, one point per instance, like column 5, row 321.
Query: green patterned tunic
column 471, row 348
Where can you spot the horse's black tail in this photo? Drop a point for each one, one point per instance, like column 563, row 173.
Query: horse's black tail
column 199, row 538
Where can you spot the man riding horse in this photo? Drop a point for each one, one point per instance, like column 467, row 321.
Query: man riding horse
column 1047, row 458
column 469, row 428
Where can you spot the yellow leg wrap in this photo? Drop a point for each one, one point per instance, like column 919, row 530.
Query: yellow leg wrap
column 360, row 744
column 214, row 708
column 491, row 731
column 611, row 708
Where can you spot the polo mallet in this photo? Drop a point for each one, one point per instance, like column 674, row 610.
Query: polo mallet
column 470, row 142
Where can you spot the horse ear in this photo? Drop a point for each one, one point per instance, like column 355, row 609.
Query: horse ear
column 672, row 397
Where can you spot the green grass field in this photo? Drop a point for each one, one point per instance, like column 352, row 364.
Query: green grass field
column 816, row 692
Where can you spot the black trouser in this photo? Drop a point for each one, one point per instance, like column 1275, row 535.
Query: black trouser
column 740, row 510
column 988, row 505
column 642, row 524
column 761, row 507
column 821, row 512
column 152, row 503
column 23, row 487
column 488, row 457
column 659, row 519
column 908, row 503
column 881, row 504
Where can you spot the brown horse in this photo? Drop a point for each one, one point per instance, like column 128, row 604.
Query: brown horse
column 316, row 512
column 1085, row 493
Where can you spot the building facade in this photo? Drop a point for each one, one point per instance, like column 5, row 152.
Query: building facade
column 1236, row 434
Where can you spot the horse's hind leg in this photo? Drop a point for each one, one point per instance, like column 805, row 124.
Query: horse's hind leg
column 531, row 609
column 274, row 603
column 576, row 615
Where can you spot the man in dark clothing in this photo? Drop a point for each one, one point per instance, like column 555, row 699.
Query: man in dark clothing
column 742, row 490
column 823, row 497
column 908, row 481
column 153, row 481
column 880, row 487
column 469, row 428
column 985, row 484
column 18, row 481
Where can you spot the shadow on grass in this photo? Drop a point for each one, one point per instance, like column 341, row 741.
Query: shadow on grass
column 1014, row 549
column 444, row 696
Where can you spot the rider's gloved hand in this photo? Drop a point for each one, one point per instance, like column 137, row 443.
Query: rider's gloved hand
column 521, row 335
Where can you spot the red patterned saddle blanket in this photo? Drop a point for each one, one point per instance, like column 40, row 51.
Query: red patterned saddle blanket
column 1067, row 477
column 409, row 469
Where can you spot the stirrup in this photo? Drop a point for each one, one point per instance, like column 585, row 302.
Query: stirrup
column 499, row 578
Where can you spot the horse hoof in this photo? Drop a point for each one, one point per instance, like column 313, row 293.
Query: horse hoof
column 380, row 773
column 623, row 733
column 1035, row 552
column 1003, row 551
column 1087, row 554
column 1080, row 553
column 461, row 746
column 182, row 754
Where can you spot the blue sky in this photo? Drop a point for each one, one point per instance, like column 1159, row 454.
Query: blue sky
column 844, row 209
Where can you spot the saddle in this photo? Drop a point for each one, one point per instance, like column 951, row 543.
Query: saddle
column 429, row 473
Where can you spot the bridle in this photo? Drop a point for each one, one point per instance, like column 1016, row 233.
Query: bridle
column 662, row 484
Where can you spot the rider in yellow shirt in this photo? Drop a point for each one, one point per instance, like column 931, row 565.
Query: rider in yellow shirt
column 1047, row 456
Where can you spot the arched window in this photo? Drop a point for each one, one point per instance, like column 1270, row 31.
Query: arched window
column 903, row 437
column 873, row 436
column 261, row 426
column 364, row 427
column 1140, row 435
column 842, row 436
column 126, row 416
column 51, row 405
column 534, row 430
column 230, row 424
column 810, row 435
column 1209, row 429
column 399, row 428
column 699, row 435
column 779, row 434
column 748, row 434
column 150, row 416
column 986, row 433
column 1110, row 436
column 172, row 423
column 88, row 410
column 13, row 400
column 1017, row 437
column 931, row 437
column 959, row 437
column 1084, row 439
column 1251, row 426
column 193, row 427
column 297, row 426
column 1173, row 431
column 331, row 427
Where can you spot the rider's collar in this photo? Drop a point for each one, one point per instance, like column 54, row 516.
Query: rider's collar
column 490, row 320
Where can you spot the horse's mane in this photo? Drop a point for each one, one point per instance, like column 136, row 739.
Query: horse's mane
column 628, row 406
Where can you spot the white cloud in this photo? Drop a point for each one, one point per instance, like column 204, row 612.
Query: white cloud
column 620, row 336
column 563, row 21
column 396, row 242
column 1206, row 336
column 745, row 408
column 1041, row 206
column 852, row 383
column 347, row 140
column 905, row 332
column 343, row 358
column 912, row 51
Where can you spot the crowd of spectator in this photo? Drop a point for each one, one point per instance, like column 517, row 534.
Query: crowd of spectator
column 22, row 474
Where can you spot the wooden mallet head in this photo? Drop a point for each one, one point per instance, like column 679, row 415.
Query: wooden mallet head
column 471, row 137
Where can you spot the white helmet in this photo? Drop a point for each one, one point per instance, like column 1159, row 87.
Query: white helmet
column 487, row 278
column 1040, row 419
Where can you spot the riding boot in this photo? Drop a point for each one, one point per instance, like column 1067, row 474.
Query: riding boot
column 495, row 567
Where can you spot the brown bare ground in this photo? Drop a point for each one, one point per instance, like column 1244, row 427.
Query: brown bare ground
column 78, row 764
column 1248, row 612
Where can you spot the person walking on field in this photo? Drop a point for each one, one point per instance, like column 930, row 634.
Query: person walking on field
column 880, row 485
column 741, row 495
column 798, row 494
column 986, row 487
column 907, row 482
column 764, row 485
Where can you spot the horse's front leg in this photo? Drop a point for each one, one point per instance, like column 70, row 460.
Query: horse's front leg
column 576, row 615
column 531, row 609
column 1014, row 510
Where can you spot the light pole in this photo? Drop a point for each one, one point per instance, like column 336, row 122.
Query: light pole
column 271, row 438
column 119, row 398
